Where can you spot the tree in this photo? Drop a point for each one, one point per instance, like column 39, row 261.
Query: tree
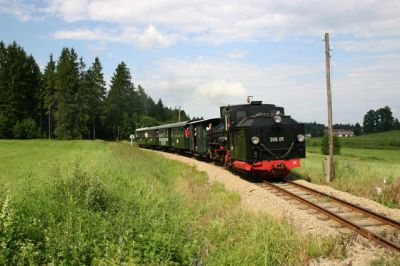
column 370, row 122
column 67, row 84
column 5, row 123
column 147, row 121
column 19, row 87
column 325, row 145
column 357, row 129
column 119, row 100
column 96, row 87
column 160, row 112
column 379, row 120
column 315, row 129
column 26, row 129
column 396, row 124
column 82, row 107
column 384, row 119
column 48, row 93
column 143, row 101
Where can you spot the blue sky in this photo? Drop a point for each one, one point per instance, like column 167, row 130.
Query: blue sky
column 202, row 54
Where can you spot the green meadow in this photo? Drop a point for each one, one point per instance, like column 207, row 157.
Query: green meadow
column 365, row 164
column 106, row 203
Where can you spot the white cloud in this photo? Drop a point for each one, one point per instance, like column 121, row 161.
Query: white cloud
column 219, row 92
column 98, row 49
column 227, row 21
column 24, row 12
column 148, row 38
column 152, row 37
column 70, row 10
column 237, row 54
column 370, row 45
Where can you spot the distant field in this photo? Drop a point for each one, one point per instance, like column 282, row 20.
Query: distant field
column 94, row 202
column 384, row 140
column 360, row 170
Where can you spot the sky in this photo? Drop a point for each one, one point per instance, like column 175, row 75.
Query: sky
column 203, row 54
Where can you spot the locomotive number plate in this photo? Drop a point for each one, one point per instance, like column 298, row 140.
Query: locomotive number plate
column 276, row 139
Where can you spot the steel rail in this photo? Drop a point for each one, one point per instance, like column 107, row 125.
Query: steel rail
column 352, row 206
column 360, row 230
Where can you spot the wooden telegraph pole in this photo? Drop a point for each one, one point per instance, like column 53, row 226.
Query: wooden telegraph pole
column 330, row 169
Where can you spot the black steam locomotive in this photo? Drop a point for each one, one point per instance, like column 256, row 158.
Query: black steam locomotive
column 252, row 137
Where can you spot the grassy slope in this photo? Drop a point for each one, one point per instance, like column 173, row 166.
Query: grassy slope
column 92, row 202
column 360, row 170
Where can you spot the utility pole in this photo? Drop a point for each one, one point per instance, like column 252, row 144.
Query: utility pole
column 179, row 114
column 330, row 166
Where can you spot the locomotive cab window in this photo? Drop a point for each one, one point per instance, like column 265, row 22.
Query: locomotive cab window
column 240, row 115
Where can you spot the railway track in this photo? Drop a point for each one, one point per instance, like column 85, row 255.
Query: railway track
column 371, row 225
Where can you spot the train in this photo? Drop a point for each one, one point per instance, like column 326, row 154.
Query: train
column 252, row 138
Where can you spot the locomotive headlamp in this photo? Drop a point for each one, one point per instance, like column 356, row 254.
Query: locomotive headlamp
column 300, row 137
column 255, row 140
column 277, row 119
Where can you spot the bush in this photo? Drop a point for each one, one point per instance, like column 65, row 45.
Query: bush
column 325, row 145
column 26, row 129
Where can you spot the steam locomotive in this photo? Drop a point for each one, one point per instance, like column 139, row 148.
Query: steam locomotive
column 252, row 138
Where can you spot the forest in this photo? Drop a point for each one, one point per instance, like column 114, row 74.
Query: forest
column 70, row 100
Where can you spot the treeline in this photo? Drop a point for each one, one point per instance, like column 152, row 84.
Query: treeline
column 318, row 130
column 379, row 120
column 70, row 101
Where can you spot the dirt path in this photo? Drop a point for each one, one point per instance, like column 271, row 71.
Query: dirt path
column 361, row 251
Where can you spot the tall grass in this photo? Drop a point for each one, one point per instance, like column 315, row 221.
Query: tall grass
column 358, row 171
column 107, row 203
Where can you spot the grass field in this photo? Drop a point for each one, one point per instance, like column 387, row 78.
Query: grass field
column 94, row 202
column 360, row 170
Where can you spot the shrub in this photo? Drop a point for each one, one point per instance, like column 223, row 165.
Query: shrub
column 26, row 129
column 325, row 145
column 83, row 189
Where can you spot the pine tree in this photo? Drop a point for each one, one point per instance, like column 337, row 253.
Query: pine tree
column 118, row 100
column 143, row 101
column 160, row 112
column 96, row 87
column 19, row 88
column 5, row 131
column 82, row 108
column 48, row 94
column 67, row 84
